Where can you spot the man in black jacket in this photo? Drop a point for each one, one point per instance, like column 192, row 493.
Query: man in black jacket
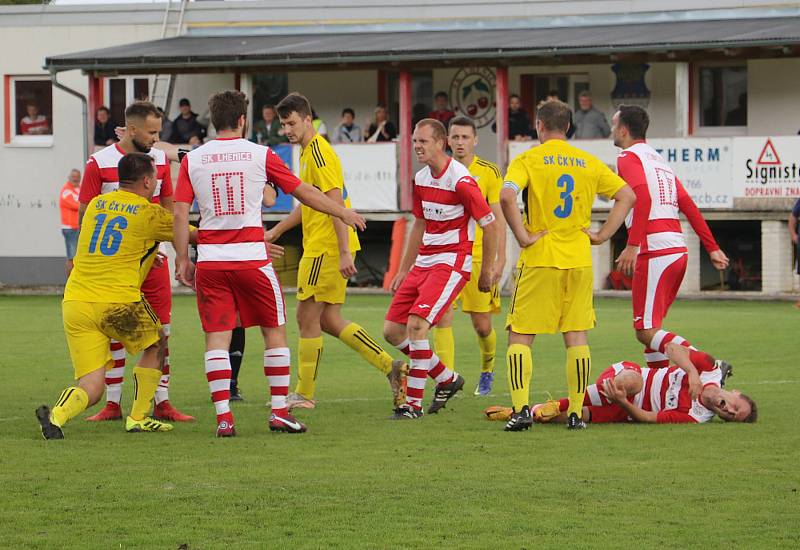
column 186, row 128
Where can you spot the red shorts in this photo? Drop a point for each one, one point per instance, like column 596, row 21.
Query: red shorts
column 254, row 294
column 157, row 289
column 656, row 280
column 601, row 409
column 426, row 292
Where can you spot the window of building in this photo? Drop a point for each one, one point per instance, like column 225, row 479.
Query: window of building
column 28, row 111
column 535, row 88
column 121, row 92
column 723, row 96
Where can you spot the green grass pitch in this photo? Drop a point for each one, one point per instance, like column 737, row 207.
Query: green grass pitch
column 358, row 480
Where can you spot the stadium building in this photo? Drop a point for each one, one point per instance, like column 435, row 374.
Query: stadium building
column 719, row 79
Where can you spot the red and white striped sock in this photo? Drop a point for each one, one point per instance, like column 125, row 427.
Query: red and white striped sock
column 420, row 354
column 439, row 372
column 115, row 375
column 662, row 338
column 276, row 369
column 162, row 391
column 405, row 346
column 655, row 359
column 218, row 374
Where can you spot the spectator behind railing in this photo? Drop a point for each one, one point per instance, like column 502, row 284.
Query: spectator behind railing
column 268, row 131
column 589, row 122
column 519, row 124
column 348, row 131
column 186, row 128
column 319, row 125
column 381, row 128
column 441, row 109
column 104, row 127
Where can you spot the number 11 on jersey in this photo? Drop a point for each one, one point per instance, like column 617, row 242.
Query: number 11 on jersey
column 566, row 182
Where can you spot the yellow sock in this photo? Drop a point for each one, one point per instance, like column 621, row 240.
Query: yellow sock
column 72, row 402
column 520, row 369
column 145, row 382
column 309, row 350
column 357, row 338
column 488, row 347
column 445, row 346
column 579, row 366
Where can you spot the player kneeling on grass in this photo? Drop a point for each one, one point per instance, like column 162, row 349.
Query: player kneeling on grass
column 102, row 300
column 689, row 392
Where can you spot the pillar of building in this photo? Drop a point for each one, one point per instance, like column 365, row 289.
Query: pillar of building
column 501, row 116
column 601, row 260
column 776, row 257
column 404, row 93
column 691, row 281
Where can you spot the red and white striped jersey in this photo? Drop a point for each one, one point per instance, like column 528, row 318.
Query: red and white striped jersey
column 101, row 176
column 654, row 223
column 450, row 203
column 227, row 177
column 666, row 392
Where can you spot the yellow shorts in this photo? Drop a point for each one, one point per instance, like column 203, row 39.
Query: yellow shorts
column 319, row 278
column 547, row 300
column 472, row 300
column 89, row 326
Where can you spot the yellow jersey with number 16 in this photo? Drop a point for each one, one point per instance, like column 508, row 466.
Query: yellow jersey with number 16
column 118, row 242
column 562, row 182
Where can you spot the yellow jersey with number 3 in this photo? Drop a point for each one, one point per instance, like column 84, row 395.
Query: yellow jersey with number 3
column 562, row 182
column 118, row 242
column 489, row 181
column 320, row 167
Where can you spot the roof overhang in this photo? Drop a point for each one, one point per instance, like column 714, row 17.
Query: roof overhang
column 670, row 41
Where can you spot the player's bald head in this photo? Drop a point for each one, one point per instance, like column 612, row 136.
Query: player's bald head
column 437, row 128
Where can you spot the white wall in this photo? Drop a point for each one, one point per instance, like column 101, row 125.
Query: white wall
column 197, row 88
column 772, row 91
column 30, row 178
column 330, row 92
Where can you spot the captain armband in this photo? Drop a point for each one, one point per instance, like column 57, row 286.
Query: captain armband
column 511, row 185
column 487, row 219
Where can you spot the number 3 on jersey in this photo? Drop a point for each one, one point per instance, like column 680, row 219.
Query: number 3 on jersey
column 112, row 236
column 568, row 183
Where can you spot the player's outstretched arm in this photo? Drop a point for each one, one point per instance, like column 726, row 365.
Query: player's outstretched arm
column 184, row 269
column 275, row 232
column 409, row 254
column 316, row 199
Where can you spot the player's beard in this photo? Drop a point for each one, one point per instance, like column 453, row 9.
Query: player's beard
column 141, row 148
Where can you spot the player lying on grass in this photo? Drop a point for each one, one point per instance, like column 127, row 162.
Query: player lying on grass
column 691, row 391
column 102, row 300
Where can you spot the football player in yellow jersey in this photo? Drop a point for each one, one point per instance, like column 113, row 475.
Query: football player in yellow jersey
column 462, row 138
column 329, row 249
column 553, row 291
column 118, row 242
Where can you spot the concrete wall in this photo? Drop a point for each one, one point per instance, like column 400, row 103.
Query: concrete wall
column 30, row 177
column 772, row 87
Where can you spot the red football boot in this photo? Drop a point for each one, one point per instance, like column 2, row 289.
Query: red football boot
column 286, row 423
column 226, row 429
column 112, row 411
column 166, row 412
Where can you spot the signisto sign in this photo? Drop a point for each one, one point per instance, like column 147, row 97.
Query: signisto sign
column 767, row 167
